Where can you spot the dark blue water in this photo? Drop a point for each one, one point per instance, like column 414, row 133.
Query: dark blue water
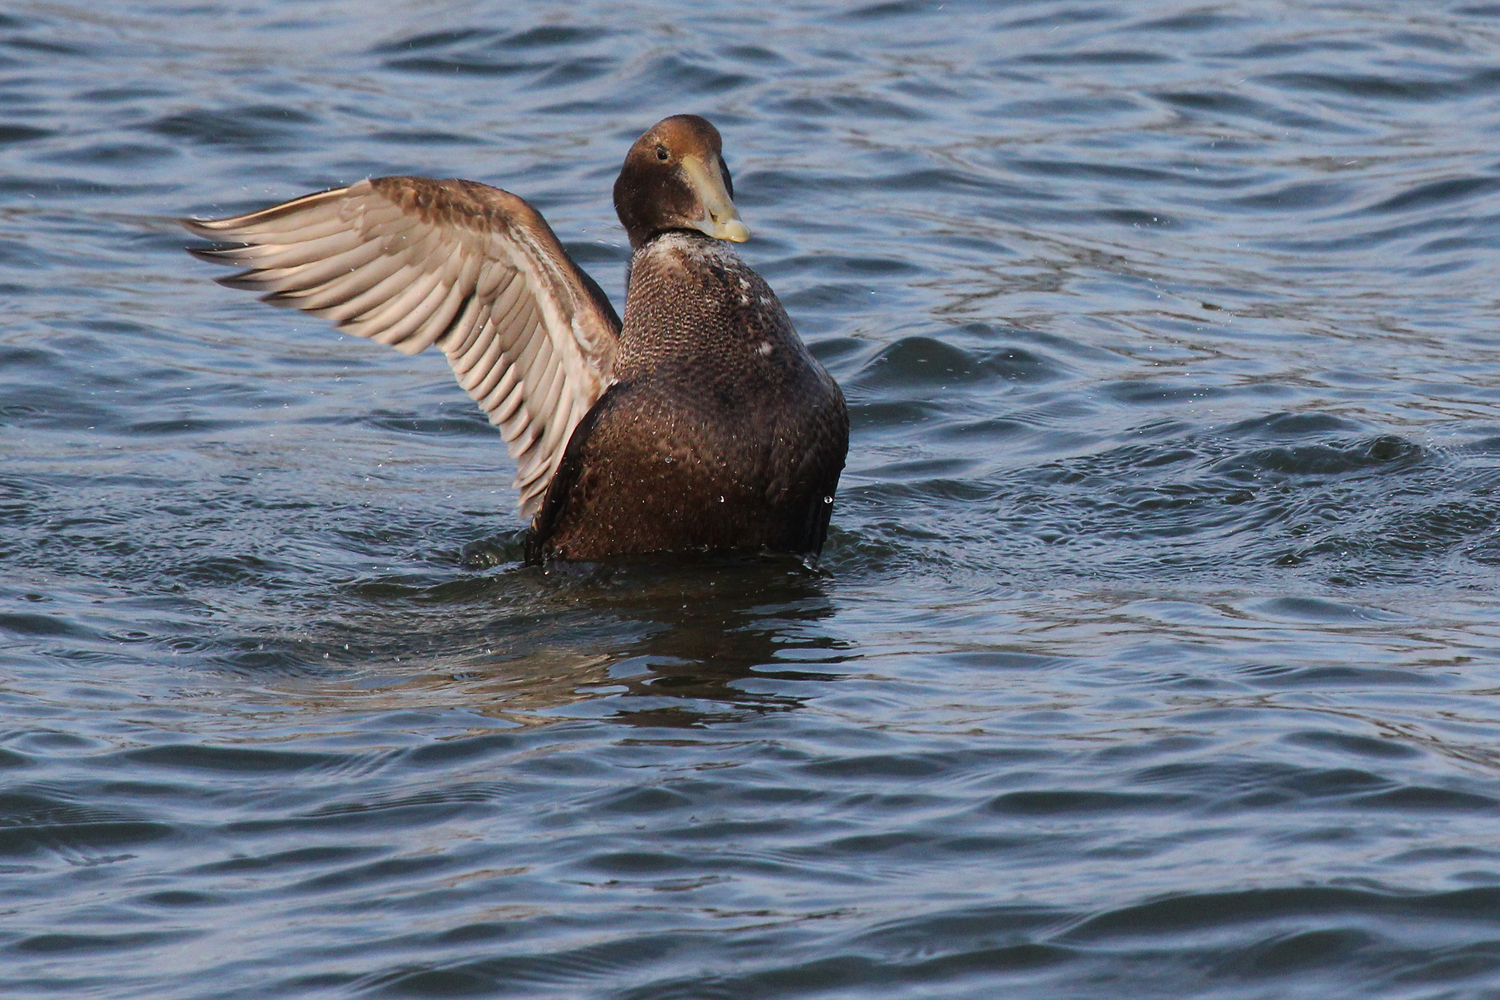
column 1156, row 648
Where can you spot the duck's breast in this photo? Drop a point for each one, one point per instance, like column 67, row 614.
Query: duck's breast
column 721, row 431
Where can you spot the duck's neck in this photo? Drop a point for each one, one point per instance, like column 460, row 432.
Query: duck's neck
column 691, row 297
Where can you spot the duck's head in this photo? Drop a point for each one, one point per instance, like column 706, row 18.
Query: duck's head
column 674, row 177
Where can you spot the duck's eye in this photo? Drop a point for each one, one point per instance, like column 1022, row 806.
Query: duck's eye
column 662, row 154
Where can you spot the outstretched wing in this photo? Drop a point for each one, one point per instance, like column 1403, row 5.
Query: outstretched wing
column 410, row 262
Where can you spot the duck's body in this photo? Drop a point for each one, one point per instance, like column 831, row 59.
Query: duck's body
column 720, row 430
column 700, row 423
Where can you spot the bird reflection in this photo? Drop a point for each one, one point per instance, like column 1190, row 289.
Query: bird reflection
column 641, row 643
column 712, row 625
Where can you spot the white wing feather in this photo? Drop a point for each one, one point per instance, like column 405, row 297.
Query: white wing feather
column 411, row 262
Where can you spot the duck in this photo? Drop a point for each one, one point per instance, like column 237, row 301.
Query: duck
column 701, row 423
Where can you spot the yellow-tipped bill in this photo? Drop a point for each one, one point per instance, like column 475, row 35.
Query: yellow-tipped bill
column 720, row 218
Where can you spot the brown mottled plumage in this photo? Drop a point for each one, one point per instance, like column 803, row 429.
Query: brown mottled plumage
column 701, row 423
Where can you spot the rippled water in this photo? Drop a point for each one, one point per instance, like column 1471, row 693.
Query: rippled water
column 1155, row 651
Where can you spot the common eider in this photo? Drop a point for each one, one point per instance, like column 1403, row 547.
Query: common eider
column 701, row 423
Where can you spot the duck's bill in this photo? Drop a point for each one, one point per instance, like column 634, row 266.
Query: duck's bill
column 720, row 218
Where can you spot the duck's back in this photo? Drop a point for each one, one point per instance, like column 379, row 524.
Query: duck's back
column 720, row 431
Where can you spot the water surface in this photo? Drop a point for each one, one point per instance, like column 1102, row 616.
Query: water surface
column 1154, row 651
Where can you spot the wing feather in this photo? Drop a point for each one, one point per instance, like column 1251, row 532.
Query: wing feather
column 411, row 262
column 556, row 406
column 438, row 319
column 277, row 254
column 402, row 317
column 341, row 261
column 330, row 294
column 495, row 387
column 345, row 299
column 506, row 403
column 389, row 312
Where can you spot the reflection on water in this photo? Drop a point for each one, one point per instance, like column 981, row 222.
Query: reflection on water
column 647, row 643
column 1154, row 647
